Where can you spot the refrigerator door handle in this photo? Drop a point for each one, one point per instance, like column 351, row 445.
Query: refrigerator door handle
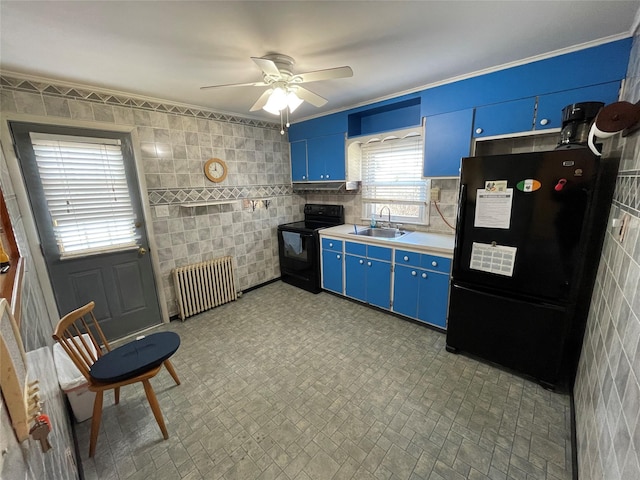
column 462, row 198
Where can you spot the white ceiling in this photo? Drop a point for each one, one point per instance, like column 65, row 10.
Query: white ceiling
column 167, row 50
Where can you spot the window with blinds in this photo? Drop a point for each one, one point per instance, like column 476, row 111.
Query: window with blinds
column 86, row 191
column 392, row 176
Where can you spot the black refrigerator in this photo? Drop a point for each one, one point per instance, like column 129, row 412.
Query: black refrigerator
column 530, row 228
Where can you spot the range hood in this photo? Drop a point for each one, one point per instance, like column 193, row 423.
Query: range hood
column 326, row 186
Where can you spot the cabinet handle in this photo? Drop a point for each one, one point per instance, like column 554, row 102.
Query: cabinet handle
column 424, row 275
column 338, row 257
column 544, row 121
column 361, row 262
column 434, row 264
column 406, row 259
column 321, row 176
column 330, row 244
column 327, row 175
column 368, row 264
column 413, row 273
column 479, row 130
column 304, row 177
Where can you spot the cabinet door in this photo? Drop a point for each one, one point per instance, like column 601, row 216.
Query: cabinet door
column 299, row 161
column 332, row 271
column 379, row 283
column 447, row 140
column 356, row 277
column 406, row 285
column 550, row 106
column 326, row 157
column 502, row 118
column 434, row 297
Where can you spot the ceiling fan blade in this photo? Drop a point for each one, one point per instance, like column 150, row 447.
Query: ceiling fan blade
column 338, row 72
column 267, row 66
column 251, row 84
column 262, row 101
column 308, row 96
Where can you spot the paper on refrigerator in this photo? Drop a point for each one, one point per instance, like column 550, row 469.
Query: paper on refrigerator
column 492, row 258
column 493, row 209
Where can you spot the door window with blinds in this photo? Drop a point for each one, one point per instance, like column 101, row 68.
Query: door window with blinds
column 86, row 192
column 392, row 177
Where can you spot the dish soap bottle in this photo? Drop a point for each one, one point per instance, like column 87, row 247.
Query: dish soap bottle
column 373, row 221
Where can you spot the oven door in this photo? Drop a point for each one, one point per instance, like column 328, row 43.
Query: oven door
column 299, row 263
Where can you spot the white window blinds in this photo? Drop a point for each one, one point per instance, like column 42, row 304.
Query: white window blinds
column 392, row 171
column 86, row 191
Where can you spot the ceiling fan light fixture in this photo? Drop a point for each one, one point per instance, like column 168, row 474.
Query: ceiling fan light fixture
column 277, row 101
column 293, row 101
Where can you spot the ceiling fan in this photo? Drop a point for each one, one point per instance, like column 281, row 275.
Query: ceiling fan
column 285, row 91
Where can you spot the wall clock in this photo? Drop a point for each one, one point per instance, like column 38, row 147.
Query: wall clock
column 215, row 169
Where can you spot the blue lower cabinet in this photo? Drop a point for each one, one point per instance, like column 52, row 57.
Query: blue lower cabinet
column 332, row 271
column 433, row 298
column 420, row 293
column 379, row 283
column 368, row 279
column 406, row 281
column 356, row 277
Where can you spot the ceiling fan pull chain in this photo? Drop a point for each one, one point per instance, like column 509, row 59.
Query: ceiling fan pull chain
column 281, row 124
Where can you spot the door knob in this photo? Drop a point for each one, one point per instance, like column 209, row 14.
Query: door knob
column 142, row 251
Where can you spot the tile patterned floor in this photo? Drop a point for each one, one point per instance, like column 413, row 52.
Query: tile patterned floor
column 287, row 385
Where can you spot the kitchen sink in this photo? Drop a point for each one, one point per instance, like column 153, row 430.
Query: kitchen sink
column 380, row 232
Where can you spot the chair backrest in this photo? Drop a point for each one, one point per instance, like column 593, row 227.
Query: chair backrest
column 83, row 350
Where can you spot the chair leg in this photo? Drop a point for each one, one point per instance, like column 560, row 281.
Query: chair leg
column 155, row 407
column 116, row 392
column 95, row 422
column 172, row 371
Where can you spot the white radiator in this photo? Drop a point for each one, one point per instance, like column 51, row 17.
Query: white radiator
column 201, row 286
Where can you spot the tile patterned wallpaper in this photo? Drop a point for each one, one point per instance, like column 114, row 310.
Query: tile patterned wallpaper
column 175, row 142
column 25, row 460
column 607, row 389
column 352, row 202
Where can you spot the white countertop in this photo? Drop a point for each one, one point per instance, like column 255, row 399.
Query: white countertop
column 436, row 243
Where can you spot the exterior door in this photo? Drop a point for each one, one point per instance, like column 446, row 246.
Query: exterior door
column 83, row 191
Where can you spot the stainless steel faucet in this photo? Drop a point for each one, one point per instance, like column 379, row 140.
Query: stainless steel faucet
column 389, row 214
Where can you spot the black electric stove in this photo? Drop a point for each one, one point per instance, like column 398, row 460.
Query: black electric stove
column 299, row 245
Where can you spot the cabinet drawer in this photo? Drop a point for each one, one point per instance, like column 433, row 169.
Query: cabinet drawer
column 404, row 257
column 356, row 248
column 438, row 264
column 380, row 253
column 331, row 244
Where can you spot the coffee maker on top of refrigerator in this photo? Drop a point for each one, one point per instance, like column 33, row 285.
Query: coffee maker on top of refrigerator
column 529, row 233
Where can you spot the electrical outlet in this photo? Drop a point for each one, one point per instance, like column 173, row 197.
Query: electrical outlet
column 435, row 194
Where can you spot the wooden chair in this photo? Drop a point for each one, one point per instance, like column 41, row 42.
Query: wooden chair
column 136, row 361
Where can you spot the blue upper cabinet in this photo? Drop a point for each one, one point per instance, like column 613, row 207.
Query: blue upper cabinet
column 503, row 118
column 593, row 66
column 549, row 111
column 318, row 127
column 518, row 99
column 543, row 112
column 326, row 158
column 385, row 116
column 447, row 139
column 299, row 161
